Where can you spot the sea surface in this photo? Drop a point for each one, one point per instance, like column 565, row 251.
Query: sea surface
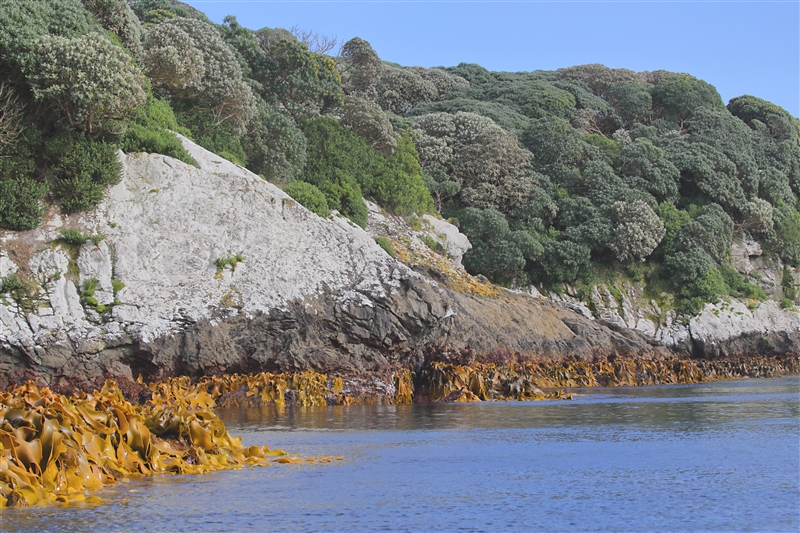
column 723, row 456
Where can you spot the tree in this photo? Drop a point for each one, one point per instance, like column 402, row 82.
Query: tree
column 472, row 151
column 400, row 89
column 11, row 113
column 275, row 146
column 91, row 82
column 643, row 166
column 171, row 53
column 782, row 125
column 497, row 252
column 445, row 82
column 638, row 231
column 679, row 95
column 117, row 17
column 171, row 59
column 360, row 68
column 315, row 42
column 599, row 78
column 553, row 141
column 631, row 100
column 299, row 80
column 367, row 120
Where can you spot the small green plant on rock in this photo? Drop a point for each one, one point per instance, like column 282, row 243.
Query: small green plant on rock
column 222, row 262
column 429, row 241
column 384, row 243
column 10, row 283
column 117, row 285
column 73, row 237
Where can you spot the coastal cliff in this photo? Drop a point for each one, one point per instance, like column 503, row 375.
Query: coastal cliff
column 210, row 269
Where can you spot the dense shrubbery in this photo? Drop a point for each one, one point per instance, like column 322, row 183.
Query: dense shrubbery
column 309, row 197
column 552, row 175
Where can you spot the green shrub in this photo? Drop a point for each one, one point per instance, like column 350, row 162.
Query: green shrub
column 309, row 197
column 140, row 138
column 10, row 283
column 384, row 243
column 429, row 241
column 73, row 237
column 81, row 169
column 21, row 192
column 89, row 286
column 609, row 147
column 786, row 303
column 117, row 285
column 233, row 262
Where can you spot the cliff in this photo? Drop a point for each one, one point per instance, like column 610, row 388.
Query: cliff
column 210, row 269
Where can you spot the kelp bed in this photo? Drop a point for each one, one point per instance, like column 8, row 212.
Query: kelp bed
column 55, row 449
column 528, row 381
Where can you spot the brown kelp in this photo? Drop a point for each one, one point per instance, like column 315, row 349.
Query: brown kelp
column 54, row 448
column 440, row 381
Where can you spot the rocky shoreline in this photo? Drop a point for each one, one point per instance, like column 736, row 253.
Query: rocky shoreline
column 210, row 270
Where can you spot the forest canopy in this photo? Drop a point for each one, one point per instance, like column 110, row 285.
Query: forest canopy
column 553, row 175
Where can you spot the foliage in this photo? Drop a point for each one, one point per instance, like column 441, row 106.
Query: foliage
column 400, row 89
column 384, row 243
column 80, row 170
column 275, row 146
column 397, row 183
column 367, row 120
column 117, row 17
column 231, row 261
column 299, row 80
column 638, row 230
column 679, row 95
column 73, row 237
column 91, row 82
column 497, row 251
column 360, row 69
column 149, row 132
column 189, row 58
column 10, row 283
column 309, row 197
column 21, row 191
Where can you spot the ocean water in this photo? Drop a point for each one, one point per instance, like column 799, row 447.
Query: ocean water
column 723, row 456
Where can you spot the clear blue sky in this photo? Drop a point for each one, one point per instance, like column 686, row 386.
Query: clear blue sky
column 740, row 47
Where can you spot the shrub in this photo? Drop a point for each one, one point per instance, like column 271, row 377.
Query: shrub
column 10, row 283
column 309, row 197
column 384, row 243
column 21, row 192
column 73, row 237
column 80, row 170
column 152, row 140
column 88, row 80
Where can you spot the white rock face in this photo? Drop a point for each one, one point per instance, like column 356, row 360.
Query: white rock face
column 165, row 224
column 455, row 243
column 94, row 262
column 7, row 266
column 716, row 324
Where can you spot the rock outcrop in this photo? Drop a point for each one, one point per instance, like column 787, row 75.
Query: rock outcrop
column 211, row 269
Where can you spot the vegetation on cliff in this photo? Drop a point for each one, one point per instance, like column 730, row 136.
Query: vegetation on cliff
column 553, row 175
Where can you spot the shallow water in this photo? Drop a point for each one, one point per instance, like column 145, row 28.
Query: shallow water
column 723, row 456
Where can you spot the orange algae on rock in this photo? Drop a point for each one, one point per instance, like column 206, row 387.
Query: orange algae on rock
column 54, row 448
column 456, row 278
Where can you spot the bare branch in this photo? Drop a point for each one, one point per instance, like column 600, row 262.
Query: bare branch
column 316, row 42
column 10, row 115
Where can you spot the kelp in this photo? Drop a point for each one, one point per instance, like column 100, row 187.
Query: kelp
column 56, row 449
column 528, row 381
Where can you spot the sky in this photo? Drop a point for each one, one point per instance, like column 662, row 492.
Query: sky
column 740, row 47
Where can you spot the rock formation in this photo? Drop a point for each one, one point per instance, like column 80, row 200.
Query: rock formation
column 211, row 269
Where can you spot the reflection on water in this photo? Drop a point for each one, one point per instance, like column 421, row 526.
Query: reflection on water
column 723, row 456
